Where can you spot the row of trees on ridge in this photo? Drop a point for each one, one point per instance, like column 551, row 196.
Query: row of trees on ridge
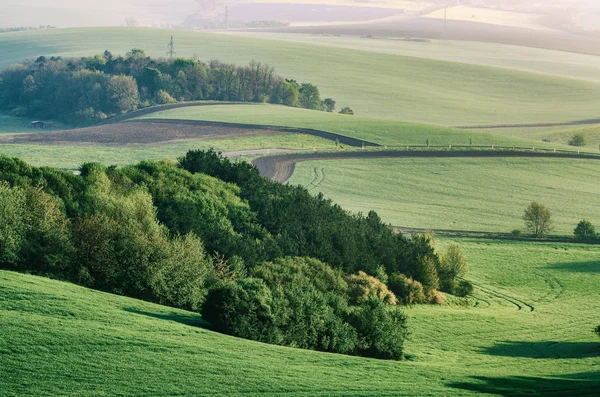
column 90, row 89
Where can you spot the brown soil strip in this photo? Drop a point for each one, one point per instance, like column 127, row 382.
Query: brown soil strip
column 281, row 167
column 136, row 132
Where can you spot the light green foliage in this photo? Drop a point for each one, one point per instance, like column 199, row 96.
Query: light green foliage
column 460, row 194
column 309, row 96
column 538, row 219
column 372, row 84
column 363, row 287
column 13, row 221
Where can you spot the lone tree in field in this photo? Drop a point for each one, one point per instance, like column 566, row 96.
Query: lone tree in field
column 585, row 231
column 538, row 219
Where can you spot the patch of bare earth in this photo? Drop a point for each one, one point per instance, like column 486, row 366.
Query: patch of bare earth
column 137, row 133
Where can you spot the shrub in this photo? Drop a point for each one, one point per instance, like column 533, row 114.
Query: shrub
column 347, row 110
column 437, row 298
column 585, row 230
column 283, row 271
column 241, row 308
column 381, row 329
column 407, row 290
column 516, row 233
column 463, row 288
column 597, row 330
column 309, row 319
column 578, row 140
column 363, row 287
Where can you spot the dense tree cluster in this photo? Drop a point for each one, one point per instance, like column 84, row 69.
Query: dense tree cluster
column 90, row 89
column 261, row 260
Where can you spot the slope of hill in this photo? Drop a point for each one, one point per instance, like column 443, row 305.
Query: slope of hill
column 60, row 339
column 375, row 85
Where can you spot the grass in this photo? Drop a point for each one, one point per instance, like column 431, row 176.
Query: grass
column 535, row 60
column 459, row 194
column 60, row 339
column 383, row 132
column 72, row 157
column 557, row 135
column 490, row 16
column 372, row 84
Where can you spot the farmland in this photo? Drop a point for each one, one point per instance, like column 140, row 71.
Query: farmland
column 372, row 84
column 458, row 193
column 526, row 328
column 487, row 345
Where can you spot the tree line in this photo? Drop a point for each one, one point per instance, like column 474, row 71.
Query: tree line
column 258, row 259
column 90, row 89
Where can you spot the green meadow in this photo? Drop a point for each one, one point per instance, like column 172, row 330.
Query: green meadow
column 535, row 60
column 459, row 193
column 61, row 339
column 373, row 84
column 73, row 156
column 380, row 131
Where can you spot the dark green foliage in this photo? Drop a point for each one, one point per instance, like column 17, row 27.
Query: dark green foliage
column 88, row 90
column 463, row 288
column 578, row 140
column 597, row 330
column 381, row 330
column 347, row 110
column 328, row 105
column 172, row 234
column 241, row 308
column 310, row 97
column 585, row 231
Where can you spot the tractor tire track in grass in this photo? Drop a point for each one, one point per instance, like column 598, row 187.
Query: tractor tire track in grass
column 520, row 304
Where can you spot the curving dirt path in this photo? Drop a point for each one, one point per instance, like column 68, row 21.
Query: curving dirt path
column 280, row 168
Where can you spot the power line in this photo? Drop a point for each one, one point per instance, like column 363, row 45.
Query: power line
column 171, row 46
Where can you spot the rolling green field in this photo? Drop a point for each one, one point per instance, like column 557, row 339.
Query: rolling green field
column 67, row 156
column 460, row 193
column 557, row 135
column 535, row 60
column 372, row 84
column 383, row 132
column 60, row 339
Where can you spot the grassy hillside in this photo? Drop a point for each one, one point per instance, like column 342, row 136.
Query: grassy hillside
column 60, row 339
column 528, row 59
column 373, row 84
column 459, row 194
column 383, row 132
column 557, row 135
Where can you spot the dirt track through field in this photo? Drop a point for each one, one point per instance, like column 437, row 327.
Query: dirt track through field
column 156, row 131
column 280, row 168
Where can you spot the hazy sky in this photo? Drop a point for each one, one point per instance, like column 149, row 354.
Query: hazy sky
column 68, row 13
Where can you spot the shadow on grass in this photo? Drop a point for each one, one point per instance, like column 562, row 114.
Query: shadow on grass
column 190, row 319
column 545, row 349
column 583, row 384
column 577, row 267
